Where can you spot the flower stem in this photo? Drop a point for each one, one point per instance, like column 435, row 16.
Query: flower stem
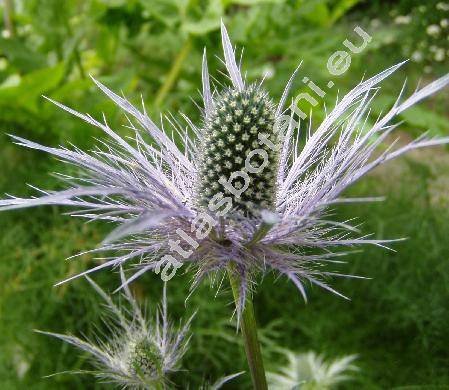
column 248, row 327
column 174, row 72
column 159, row 386
column 8, row 15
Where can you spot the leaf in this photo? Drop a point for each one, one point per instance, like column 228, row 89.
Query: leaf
column 167, row 11
column 417, row 116
column 209, row 19
column 20, row 56
column 32, row 86
column 114, row 3
column 421, row 387
column 342, row 7
column 424, row 118
column 202, row 27
column 319, row 15
column 254, row 2
column 314, row 11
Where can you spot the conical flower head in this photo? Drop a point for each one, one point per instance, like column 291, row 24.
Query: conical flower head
column 239, row 155
column 145, row 359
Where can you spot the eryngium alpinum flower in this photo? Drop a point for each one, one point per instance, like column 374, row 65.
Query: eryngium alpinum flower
column 160, row 188
column 141, row 352
column 310, row 371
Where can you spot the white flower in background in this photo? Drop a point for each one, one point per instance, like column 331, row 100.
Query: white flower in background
column 20, row 361
column 159, row 186
column 25, row 29
column 439, row 55
column 3, row 63
column 403, row 19
column 375, row 23
column 141, row 352
column 268, row 72
column 444, row 23
column 442, row 6
column 417, row 56
column 433, row 30
column 309, row 371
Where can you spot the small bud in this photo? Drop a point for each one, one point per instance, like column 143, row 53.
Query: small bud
column 145, row 359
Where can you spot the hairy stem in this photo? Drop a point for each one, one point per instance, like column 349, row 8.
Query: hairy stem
column 174, row 72
column 248, row 327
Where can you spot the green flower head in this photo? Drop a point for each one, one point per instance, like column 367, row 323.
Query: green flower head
column 239, row 151
column 145, row 359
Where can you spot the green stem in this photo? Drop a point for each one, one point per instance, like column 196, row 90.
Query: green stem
column 248, row 327
column 259, row 234
column 8, row 15
column 173, row 73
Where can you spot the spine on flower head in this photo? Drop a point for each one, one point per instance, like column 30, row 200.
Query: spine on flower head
column 239, row 156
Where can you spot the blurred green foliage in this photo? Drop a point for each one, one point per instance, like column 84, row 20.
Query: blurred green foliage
column 421, row 31
column 397, row 323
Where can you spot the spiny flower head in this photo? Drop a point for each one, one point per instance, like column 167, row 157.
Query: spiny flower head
column 141, row 353
column 144, row 358
column 171, row 212
column 236, row 136
column 310, row 371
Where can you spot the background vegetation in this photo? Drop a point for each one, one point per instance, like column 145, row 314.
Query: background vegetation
column 397, row 323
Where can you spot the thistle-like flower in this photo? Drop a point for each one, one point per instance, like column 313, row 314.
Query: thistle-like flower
column 309, row 371
column 241, row 190
column 141, row 353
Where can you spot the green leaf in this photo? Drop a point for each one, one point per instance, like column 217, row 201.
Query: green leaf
column 167, row 11
column 423, row 118
column 314, row 11
column 422, row 387
column 32, row 86
column 210, row 20
column 20, row 56
column 418, row 117
column 253, row 2
column 342, row 7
